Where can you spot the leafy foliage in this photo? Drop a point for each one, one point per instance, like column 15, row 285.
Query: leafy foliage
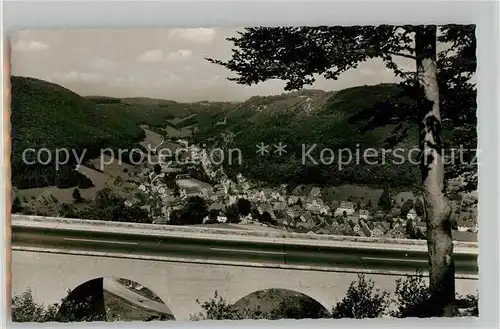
column 419, row 207
column 244, row 206
column 77, row 197
column 16, row 205
column 107, row 206
column 412, row 297
column 362, row 301
column 157, row 168
column 217, row 308
column 232, row 213
column 25, row 309
column 193, row 212
column 297, row 55
column 406, row 207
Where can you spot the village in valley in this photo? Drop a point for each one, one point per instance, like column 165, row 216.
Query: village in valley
column 344, row 210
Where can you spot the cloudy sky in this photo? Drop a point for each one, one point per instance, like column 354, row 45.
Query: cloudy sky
column 159, row 63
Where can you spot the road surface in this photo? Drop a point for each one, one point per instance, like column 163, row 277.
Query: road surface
column 117, row 289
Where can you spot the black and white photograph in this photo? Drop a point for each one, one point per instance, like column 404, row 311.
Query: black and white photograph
column 285, row 172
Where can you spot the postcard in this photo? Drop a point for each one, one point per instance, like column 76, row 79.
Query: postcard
column 294, row 172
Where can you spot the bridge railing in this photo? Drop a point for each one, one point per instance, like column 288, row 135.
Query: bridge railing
column 112, row 239
column 152, row 229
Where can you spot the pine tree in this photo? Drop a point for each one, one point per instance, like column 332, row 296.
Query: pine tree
column 77, row 197
column 16, row 205
column 385, row 200
column 419, row 207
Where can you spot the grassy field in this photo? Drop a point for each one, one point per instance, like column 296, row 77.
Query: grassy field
column 269, row 300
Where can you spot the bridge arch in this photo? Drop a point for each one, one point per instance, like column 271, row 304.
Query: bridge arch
column 112, row 299
column 279, row 303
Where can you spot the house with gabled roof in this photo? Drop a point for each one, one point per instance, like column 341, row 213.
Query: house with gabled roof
column 412, row 214
column 280, row 205
column 325, row 209
column 306, row 216
column 298, row 190
column 383, row 226
column 354, row 226
column 314, row 193
column 292, row 199
column 294, row 211
column 314, row 205
column 265, row 206
column 268, row 193
column 376, row 232
column 276, row 195
column 364, row 214
column 465, row 225
column 345, row 207
column 281, row 217
column 353, row 219
column 364, row 228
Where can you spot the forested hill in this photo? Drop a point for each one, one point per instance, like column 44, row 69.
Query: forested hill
column 47, row 115
column 355, row 118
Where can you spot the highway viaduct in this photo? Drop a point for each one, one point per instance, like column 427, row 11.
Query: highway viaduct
column 182, row 264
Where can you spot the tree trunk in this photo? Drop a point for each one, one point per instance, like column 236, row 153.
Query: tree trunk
column 437, row 208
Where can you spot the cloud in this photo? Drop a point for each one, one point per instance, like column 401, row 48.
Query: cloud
column 157, row 56
column 179, row 55
column 77, row 76
column 151, row 56
column 29, row 46
column 198, row 35
column 170, row 76
column 103, row 64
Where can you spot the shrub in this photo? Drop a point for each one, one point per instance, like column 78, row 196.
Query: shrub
column 25, row 309
column 362, row 301
column 193, row 213
column 77, row 197
column 232, row 214
column 406, row 207
column 468, row 305
column 217, row 308
column 412, row 297
column 16, row 205
column 419, row 207
column 157, row 169
column 244, row 206
column 67, row 211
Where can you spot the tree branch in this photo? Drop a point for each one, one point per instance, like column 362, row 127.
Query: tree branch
column 402, row 55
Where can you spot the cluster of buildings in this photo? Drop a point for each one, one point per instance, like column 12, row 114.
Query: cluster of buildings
column 302, row 209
